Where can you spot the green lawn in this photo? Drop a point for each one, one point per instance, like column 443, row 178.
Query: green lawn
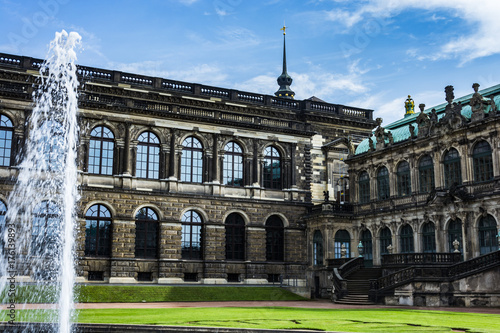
column 380, row 320
column 125, row 294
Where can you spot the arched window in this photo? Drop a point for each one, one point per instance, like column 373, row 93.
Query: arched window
column 385, row 240
column 233, row 165
column 406, row 239
column 487, row 235
column 482, row 162
column 192, row 160
column 3, row 211
column 6, row 131
column 275, row 239
column 342, row 238
column 455, row 233
column 235, row 237
column 272, row 168
column 191, row 246
column 146, row 233
column 148, row 156
column 429, row 238
column 452, row 170
column 366, row 241
column 51, row 147
column 101, row 149
column 98, row 231
column 364, row 187
column 426, row 174
column 45, row 237
column 403, row 179
column 383, row 183
column 318, row 248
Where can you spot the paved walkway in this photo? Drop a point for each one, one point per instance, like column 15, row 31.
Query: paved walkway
column 316, row 304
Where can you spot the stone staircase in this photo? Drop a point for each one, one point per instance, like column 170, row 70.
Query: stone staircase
column 358, row 286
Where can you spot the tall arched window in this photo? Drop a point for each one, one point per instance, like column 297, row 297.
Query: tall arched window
column 275, row 239
column 487, row 235
column 235, row 237
column 364, row 187
column 191, row 245
column 45, row 231
column 146, row 233
column 50, row 148
column 429, row 238
column 383, row 183
column 6, row 131
column 452, row 170
column 455, row 233
column 148, row 156
column 406, row 239
column 366, row 241
column 403, row 179
column 233, row 165
column 192, row 160
column 98, row 231
column 342, row 237
column 317, row 248
column 272, row 168
column 482, row 162
column 101, row 149
column 426, row 174
column 385, row 240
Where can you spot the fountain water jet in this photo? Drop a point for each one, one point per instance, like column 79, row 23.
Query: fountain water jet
column 41, row 205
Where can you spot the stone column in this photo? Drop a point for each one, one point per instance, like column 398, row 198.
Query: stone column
column 438, row 170
column 127, row 169
column 215, row 160
column 122, row 248
column 163, row 160
column 214, row 254
column 170, row 268
column 255, row 166
column 256, row 247
column 172, row 157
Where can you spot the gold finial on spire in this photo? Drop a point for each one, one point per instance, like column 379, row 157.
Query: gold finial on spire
column 409, row 106
column 284, row 28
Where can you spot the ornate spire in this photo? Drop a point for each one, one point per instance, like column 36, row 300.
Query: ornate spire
column 284, row 80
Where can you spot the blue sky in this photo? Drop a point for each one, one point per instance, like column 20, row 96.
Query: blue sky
column 368, row 53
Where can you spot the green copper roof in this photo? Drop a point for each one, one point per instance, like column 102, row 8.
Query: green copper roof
column 400, row 129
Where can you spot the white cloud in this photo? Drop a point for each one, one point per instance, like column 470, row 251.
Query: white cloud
column 482, row 18
column 315, row 82
column 391, row 109
column 221, row 12
column 187, row 2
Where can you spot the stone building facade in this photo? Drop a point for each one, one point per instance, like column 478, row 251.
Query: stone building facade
column 186, row 183
column 422, row 189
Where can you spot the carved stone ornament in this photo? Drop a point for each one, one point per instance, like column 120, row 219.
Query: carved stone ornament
column 370, row 144
column 343, row 251
column 478, row 104
column 483, row 212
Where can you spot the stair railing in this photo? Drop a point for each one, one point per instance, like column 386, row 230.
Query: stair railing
column 449, row 273
column 474, row 265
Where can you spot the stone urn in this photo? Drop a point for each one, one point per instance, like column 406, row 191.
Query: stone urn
column 361, row 249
